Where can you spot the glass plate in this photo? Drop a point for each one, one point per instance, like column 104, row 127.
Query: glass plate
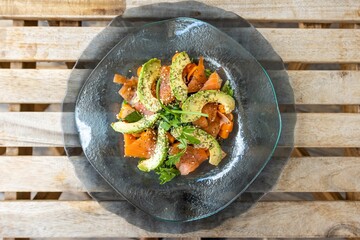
column 209, row 189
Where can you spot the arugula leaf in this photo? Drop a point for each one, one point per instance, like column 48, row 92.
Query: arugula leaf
column 133, row 117
column 208, row 72
column 166, row 174
column 191, row 139
column 187, row 134
column 174, row 159
column 183, row 143
column 165, row 125
column 188, row 130
column 227, row 89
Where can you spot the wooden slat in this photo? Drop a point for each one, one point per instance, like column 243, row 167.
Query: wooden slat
column 267, row 219
column 67, row 43
column 326, row 130
column 325, row 87
column 258, row 10
column 310, row 87
column 37, row 86
column 59, row 174
column 311, row 130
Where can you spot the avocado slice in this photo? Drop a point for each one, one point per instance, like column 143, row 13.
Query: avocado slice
column 161, row 149
column 197, row 101
column 206, row 141
column 178, row 87
column 150, row 72
column 135, row 127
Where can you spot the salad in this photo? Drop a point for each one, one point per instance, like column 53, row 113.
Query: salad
column 173, row 116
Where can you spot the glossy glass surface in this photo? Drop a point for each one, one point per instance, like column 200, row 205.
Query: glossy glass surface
column 248, row 149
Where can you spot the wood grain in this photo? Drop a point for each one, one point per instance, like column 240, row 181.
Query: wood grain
column 67, row 43
column 310, row 87
column 325, row 87
column 59, row 174
column 258, row 10
column 266, row 219
column 311, row 129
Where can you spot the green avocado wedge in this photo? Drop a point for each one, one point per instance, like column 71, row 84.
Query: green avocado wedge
column 206, row 141
column 177, row 85
column 135, row 127
column 160, row 153
column 150, row 72
column 197, row 101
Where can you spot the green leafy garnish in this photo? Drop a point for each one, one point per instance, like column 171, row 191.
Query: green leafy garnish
column 208, row 72
column 133, row 117
column 227, row 89
column 174, row 159
column 187, row 134
column 166, row 174
column 165, row 125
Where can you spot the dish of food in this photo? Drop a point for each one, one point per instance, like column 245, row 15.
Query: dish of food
column 209, row 188
column 171, row 116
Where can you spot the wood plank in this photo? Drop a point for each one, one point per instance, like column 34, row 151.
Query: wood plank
column 257, row 10
column 311, row 129
column 67, row 43
column 326, row 130
column 37, row 86
column 310, row 87
column 36, row 129
column 325, row 87
column 266, row 219
column 59, row 174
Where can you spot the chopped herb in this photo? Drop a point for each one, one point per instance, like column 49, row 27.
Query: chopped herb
column 133, row 117
column 125, row 102
column 227, row 89
column 208, row 72
column 166, row 174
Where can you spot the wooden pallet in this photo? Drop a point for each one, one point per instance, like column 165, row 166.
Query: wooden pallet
column 28, row 87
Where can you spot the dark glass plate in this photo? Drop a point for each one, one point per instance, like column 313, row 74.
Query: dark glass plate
column 209, row 189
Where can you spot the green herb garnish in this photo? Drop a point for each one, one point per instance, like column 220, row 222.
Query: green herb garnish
column 174, row 159
column 227, row 89
column 133, row 117
column 166, row 174
column 207, row 72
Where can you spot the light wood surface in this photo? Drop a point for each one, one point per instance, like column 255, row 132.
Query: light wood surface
column 311, row 130
column 266, row 219
column 59, row 174
column 49, row 86
column 293, row 45
column 258, row 10
column 324, row 176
